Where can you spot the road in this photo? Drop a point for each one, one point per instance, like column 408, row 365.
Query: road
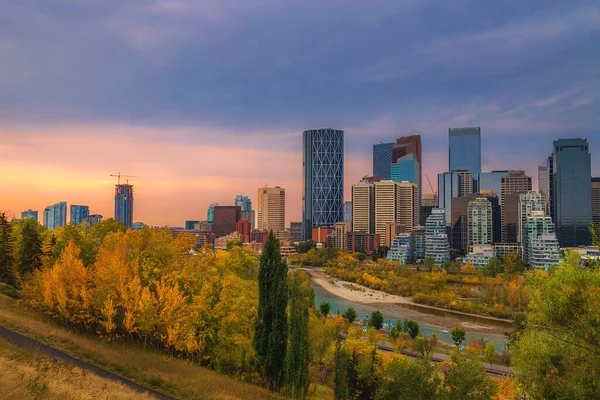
column 20, row 340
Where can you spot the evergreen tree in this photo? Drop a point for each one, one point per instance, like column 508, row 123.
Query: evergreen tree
column 30, row 257
column 301, row 300
column 7, row 272
column 340, row 380
column 352, row 375
column 270, row 340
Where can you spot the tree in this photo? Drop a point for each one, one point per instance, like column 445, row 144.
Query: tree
column 506, row 357
column 30, row 255
column 270, row 337
column 350, row 314
column 394, row 334
column 493, row 267
column 233, row 243
column 458, row 335
column 429, row 263
column 7, row 265
column 300, row 301
column 340, row 368
column 467, row 381
column 411, row 327
column 490, row 353
column 425, row 346
column 404, row 379
column 376, row 320
column 304, row 247
column 352, row 374
column 325, row 307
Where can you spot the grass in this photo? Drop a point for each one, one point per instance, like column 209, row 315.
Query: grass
column 171, row 376
column 27, row 374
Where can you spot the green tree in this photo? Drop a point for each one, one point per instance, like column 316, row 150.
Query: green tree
column 490, row 353
column 429, row 263
column 300, row 301
column 376, row 320
column 394, row 334
column 411, row 327
column 271, row 331
column 467, row 381
column 350, row 314
column 304, row 247
column 7, row 262
column 30, row 254
column 233, row 243
column 404, row 379
column 368, row 377
column 425, row 346
column 324, row 307
column 493, row 267
column 352, row 375
column 459, row 335
column 557, row 355
column 340, row 369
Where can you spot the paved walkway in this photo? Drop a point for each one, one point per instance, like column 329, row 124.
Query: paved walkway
column 20, row 340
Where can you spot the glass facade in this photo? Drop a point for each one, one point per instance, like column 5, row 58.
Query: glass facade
column 382, row 160
column 448, row 188
column 348, row 212
column 572, row 192
column 595, row 200
column 465, row 149
column 210, row 213
column 30, row 214
column 124, row 204
column 79, row 214
column 322, row 178
column 406, row 169
column 491, row 181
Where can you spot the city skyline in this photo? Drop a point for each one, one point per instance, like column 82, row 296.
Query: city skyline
column 157, row 109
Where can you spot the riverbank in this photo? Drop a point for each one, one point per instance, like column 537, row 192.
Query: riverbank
column 403, row 307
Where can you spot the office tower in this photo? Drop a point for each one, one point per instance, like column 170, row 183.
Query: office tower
column 246, row 206
column 436, row 239
column 595, row 200
column 448, row 188
column 465, row 149
column 392, row 230
column 363, row 207
column 418, row 237
column 465, row 181
column 459, row 238
column 479, row 222
column 55, row 215
column 513, row 184
column 428, row 203
column 271, row 209
column 544, row 185
column 30, row 214
column 382, row 160
column 537, row 224
column 79, row 213
column 225, row 219
column 296, row 231
column 401, row 249
column 491, row 181
column 407, row 155
column 396, row 203
column 572, row 192
column 93, row 219
column 192, row 225
column 529, row 202
column 348, row 212
column 210, row 213
column 322, row 178
column 550, row 166
column 340, row 230
column 124, row 204
column 243, row 228
column 48, row 221
column 406, row 169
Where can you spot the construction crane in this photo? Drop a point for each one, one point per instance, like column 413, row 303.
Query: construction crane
column 118, row 176
column 435, row 194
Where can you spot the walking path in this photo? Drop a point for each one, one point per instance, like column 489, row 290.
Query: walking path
column 25, row 341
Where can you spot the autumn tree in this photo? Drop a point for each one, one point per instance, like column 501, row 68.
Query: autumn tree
column 271, row 331
column 340, row 369
column 7, row 272
column 425, row 346
column 301, row 298
column 490, row 353
column 404, row 379
column 467, row 380
column 493, row 267
column 429, row 263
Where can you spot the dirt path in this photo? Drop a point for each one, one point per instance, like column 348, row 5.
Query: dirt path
column 20, row 340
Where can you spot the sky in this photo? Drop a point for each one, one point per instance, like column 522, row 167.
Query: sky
column 203, row 100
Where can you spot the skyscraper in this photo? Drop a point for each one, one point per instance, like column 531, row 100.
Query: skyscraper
column 395, row 202
column 296, row 231
column 465, row 181
column 572, row 192
column 210, row 213
column 491, row 181
column 540, row 246
column 124, row 204
column 448, row 188
column 382, row 160
column 544, row 185
column 529, row 203
column 479, row 222
column 428, row 203
column 436, row 238
column 465, row 149
column 226, row 218
column 459, row 238
column 348, row 212
column 30, row 214
column 550, row 165
column 322, row 178
column 596, row 200
column 271, row 209
column 79, row 214
column 407, row 154
column 363, row 207
column 55, row 215
column 513, row 184
column 246, row 206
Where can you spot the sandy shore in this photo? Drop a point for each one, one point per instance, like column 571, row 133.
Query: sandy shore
column 398, row 306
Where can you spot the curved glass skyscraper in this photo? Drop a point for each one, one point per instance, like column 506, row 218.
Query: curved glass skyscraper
column 322, row 178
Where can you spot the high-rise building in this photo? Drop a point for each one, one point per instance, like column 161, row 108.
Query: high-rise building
column 537, row 223
column 296, row 231
column 124, row 204
column 436, row 238
column 513, row 184
column 392, row 230
column 340, row 229
column 545, row 251
column 480, row 221
column 79, row 213
column 210, row 213
column 448, row 188
column 465, row 181
column 406, row 169
column 572, row 192
column 401, row 248
column 225, row 219
column 382, row 160
column 544, row 185
column 465, row 149
column 529, row 202
column 322, row 178
column 428, row 203
column 271, row 209
column 459, row 238
column 348, row 212
column 55, row 215
column 491, row 181
column 30, row 214
column 407, row 155
column 418, row 236
column 550, row 166
column 595, row 200
column 395, row 202
column 363, row 207
column 246, row 206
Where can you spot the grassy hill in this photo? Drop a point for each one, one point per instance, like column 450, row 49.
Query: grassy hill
column 175, row 377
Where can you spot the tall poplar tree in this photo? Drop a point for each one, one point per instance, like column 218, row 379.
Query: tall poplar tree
column 271, row 332
column 301, row 300
column 7, row 272
column 30, row 256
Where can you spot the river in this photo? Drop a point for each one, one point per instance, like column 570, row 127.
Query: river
column 339, row 305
